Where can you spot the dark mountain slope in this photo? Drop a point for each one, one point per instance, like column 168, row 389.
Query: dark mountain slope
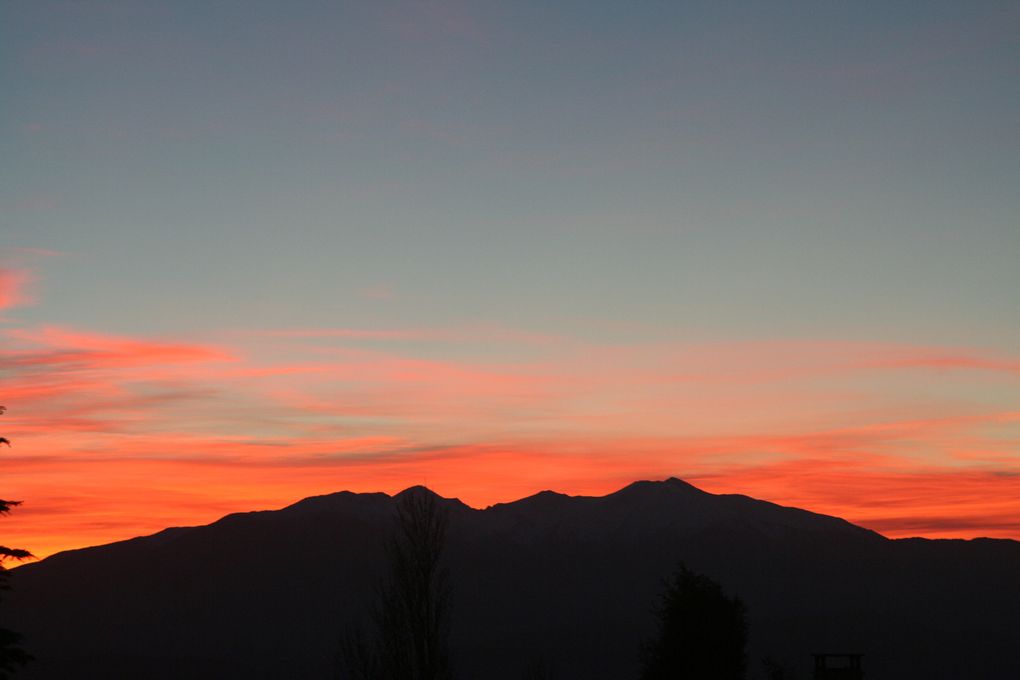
column 567, row 580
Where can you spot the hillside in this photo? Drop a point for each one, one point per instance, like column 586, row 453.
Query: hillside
column 570, row 581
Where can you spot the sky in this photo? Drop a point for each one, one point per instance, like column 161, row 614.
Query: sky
column 256, row 251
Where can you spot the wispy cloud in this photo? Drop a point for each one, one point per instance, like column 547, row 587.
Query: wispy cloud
column 348, row 333
column 453, row 335
column 56, row 346
column 945, row 359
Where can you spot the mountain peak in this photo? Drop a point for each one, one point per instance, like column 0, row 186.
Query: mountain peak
column 420, row 490
column 417, row 489
column 678, row 483
column 670, row 486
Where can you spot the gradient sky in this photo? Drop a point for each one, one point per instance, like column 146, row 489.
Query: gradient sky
column 255, row 251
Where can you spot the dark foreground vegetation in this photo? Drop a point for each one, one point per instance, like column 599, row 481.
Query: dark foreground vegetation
column 702, row 633
column 418, row 586
column 12, row 656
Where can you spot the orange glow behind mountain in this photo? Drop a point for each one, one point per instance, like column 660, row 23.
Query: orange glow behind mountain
column 115, row 436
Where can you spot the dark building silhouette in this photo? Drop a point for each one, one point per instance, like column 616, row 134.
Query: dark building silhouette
column 838, row 667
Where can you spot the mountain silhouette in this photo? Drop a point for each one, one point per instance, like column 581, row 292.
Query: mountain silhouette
column 567, row 582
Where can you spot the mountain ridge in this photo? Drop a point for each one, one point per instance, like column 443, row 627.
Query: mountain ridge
column 650, row 490
column 568, row 580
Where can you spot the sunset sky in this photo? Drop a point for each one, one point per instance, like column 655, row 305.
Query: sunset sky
column 256, row 251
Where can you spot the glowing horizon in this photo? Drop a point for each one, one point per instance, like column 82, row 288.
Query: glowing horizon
column 116, row 436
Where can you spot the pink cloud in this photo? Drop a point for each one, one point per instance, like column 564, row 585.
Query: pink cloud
column 946, row 360
column 452, row 335
column 350, row 334
column 14, row 288
column 66, row 346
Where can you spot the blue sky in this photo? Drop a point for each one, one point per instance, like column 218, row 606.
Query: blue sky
column 803, row 168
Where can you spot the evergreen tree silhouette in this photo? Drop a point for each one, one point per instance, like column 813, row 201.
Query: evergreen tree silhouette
column 12, row 656
column 702, row 632
column 412, row 617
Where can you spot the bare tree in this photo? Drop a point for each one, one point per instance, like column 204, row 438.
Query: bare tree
column 412, row 616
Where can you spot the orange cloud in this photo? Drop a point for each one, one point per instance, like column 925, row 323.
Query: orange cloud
column 932, row 502
column 149, row 483
column 116, row 436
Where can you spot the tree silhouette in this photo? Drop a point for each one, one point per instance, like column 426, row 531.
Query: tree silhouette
column 702, row 632
column 412, row 617
column 12, row 656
